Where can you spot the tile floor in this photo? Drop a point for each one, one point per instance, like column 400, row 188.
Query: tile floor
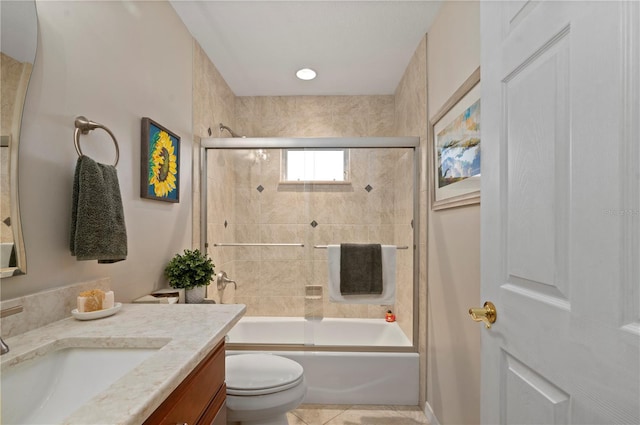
column 315, row 414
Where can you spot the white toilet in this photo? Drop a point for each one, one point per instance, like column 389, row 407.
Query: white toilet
column 262, row 388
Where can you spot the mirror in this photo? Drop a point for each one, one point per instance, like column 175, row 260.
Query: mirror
column 19, row 38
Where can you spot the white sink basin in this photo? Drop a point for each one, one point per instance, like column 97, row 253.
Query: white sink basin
column 46, row 389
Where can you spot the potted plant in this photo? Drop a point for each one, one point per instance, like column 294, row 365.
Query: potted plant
column 193, row 272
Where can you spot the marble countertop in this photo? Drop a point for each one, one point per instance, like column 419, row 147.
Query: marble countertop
column 186, row 333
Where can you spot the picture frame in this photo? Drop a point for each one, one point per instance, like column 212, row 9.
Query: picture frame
column 159, row 163
column 454, row 139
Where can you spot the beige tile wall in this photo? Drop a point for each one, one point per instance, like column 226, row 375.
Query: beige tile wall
column 315, row 116
column 213, row 103
column 273, row 281
column 403, row 184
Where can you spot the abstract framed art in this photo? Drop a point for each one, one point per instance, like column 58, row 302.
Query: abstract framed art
column 159, row 163
column 454, row 134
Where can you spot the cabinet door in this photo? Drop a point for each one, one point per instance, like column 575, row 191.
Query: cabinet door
column 197, row 395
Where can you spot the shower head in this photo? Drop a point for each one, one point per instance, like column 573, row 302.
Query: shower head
column 233, row 133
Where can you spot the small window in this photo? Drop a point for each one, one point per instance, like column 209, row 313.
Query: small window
column 315, row 165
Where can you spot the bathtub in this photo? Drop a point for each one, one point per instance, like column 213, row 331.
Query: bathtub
column 384, row 376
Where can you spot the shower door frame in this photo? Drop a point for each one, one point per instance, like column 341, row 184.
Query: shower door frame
column 323, row 142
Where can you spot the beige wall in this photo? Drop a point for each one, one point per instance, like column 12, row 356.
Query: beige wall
column 453, row 375
column 109, row 62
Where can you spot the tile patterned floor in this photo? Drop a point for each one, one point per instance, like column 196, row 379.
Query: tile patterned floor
column 315, row 414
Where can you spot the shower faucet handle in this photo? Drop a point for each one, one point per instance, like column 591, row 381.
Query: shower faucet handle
column 223, row 280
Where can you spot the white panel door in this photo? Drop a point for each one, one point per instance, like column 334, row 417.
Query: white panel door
column 561, row 211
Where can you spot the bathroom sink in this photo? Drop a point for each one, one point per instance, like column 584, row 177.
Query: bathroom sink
column 48, row 388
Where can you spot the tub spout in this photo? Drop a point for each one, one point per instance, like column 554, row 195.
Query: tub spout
column 223, row 281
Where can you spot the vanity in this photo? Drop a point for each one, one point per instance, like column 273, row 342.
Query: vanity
column 200, row 398
column 166, row 364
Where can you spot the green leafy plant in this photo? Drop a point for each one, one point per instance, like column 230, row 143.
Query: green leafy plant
column 189, row 270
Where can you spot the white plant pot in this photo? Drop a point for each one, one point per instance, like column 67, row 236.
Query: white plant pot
column 195, row 295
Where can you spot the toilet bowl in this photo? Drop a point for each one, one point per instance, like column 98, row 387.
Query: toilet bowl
column 262, row 388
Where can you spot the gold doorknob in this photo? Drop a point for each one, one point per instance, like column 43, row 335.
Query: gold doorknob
column 486, row 314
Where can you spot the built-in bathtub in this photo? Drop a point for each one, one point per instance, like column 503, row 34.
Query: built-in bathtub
column 346, row 361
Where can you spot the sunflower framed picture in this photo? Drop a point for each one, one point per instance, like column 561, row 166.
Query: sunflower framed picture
column 159, row 163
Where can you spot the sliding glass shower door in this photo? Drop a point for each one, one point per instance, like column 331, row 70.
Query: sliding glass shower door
column 271, row 207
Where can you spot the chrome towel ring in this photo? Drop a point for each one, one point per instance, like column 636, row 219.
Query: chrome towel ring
column 84, row 126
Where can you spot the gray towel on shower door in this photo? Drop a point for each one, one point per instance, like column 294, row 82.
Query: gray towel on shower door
column 360, row 269
column 98, row 230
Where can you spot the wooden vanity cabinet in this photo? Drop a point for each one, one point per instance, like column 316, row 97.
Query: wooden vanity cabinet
column 200, row 398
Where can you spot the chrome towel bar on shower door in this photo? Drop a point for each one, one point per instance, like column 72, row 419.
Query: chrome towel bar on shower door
column 259, row 244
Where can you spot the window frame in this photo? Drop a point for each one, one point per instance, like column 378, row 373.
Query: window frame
column 346, row 166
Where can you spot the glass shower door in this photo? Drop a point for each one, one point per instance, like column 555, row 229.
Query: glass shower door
column 268, row 229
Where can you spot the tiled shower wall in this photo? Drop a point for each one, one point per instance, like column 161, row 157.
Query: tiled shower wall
column 213, row 103
column 403, row 188
column 273, row 281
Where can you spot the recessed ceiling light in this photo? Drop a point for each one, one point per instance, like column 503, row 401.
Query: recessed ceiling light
column 306, row 74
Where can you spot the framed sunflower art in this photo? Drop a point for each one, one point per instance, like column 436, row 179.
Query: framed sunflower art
column 159, row 163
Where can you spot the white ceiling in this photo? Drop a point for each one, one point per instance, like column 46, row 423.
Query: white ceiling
column 357, row 47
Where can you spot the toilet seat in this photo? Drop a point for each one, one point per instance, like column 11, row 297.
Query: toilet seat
column 259, row 374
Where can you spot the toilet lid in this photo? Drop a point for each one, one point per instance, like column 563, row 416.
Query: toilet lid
column 255, row 374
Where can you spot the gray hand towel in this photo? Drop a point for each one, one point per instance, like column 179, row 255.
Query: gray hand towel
column 98, row 230
column 360, row 269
